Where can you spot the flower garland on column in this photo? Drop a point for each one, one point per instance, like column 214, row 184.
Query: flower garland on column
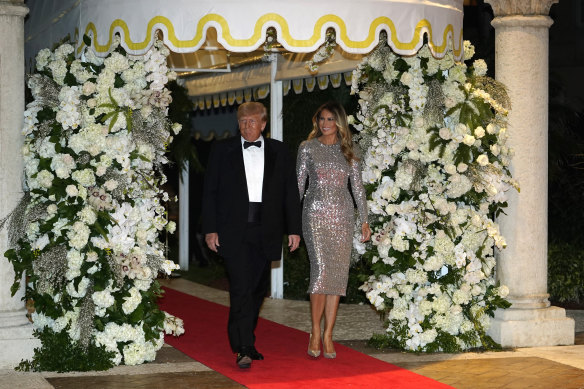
column 436, row 172
column 87, row 234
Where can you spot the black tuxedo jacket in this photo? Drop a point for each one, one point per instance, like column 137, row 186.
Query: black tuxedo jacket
column 226, row 202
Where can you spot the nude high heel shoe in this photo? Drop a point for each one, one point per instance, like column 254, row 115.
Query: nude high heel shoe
column 313, row 353
column 332, row 355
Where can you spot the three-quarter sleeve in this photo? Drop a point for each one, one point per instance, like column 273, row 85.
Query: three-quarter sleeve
column 302, row 168
column 357, row 188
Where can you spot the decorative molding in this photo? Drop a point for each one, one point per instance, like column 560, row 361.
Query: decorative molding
column 13, row 8
column 521, row 7
column 537, row 21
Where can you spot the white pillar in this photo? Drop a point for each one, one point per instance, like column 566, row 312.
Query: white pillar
column 277, row 132
column 183, row 218
column 16, row 341
column 521, row 63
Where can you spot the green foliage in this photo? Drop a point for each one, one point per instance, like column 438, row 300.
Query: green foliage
column 444, row 342
column 59, row 354
column 209, row 275
column 382, row 341
column 495, row 300
column 473, row 112
column 182, row 149
column 437, row 141
column 566, row 272
column 356, row 272
column 463, row 154
column 296, row 273
column 566, row 185
column 565, row 168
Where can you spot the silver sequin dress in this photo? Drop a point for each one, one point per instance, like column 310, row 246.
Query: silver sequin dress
column 328, row 215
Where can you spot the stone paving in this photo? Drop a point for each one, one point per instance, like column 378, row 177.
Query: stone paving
column 538, row 367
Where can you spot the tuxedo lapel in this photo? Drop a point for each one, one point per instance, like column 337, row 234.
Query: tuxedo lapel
column 237, row 164
column 269, row 163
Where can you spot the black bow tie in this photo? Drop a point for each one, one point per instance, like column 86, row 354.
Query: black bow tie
column 247, row 144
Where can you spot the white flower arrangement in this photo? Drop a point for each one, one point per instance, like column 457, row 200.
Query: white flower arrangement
column 436, row 172
column 95, row 137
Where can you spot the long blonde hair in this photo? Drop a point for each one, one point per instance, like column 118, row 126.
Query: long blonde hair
column 344, row 134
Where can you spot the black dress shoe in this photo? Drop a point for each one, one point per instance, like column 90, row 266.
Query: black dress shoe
column 255, row 354
column 243, row 361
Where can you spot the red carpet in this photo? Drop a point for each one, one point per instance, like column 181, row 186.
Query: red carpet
column 286, row 365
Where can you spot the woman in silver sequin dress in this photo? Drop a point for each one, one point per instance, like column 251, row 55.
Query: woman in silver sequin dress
column 327, row 159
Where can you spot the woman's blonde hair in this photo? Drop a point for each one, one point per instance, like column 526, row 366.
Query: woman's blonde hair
column 344, row 134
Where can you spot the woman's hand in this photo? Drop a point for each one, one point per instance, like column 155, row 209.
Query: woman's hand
column 365, row 232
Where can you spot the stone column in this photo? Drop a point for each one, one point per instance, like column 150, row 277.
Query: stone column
column 521, row 63
column 16, row 341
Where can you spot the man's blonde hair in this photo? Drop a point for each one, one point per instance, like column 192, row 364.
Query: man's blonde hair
column 252, row 108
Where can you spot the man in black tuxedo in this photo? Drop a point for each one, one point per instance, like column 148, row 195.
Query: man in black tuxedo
column 250, row 200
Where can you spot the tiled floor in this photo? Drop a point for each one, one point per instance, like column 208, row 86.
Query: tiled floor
column 544, row 367
column 527, row 372
column 180, row 380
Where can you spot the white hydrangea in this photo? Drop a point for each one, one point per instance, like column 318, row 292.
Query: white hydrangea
column 74, row 262
column 103, row 299
column 85, row 177
column 68, row 114
column 45, row 178
column 78, row 235
column 87, row 215
column 80, row 290
column 42, row 58
column 131, row 302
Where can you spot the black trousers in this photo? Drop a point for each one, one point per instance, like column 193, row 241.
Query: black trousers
column 249, row 278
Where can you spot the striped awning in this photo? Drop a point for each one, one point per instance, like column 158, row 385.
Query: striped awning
column 298, row 86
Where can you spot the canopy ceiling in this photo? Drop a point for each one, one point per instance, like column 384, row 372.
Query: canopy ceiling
column 221, row 27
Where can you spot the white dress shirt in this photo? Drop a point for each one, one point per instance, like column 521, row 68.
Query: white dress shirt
column 253, row 159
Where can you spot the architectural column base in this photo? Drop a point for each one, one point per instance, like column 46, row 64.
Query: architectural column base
column 16, row 341
column 532, row 327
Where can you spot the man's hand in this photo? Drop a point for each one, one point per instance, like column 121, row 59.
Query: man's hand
column 293, row 242
column 212, row 240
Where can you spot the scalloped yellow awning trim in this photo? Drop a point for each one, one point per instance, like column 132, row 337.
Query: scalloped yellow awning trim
column 284, row 36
